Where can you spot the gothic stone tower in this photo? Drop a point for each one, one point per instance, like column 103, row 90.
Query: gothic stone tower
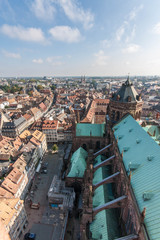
column 125, row 100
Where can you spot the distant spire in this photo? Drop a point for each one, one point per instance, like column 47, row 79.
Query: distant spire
column 128, row 82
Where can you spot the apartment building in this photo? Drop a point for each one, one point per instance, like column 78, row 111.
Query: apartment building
column 13, row 216
column 49, row 127
column 36, row 113
column 15, row 183
column 14, row 128
column 39, row 140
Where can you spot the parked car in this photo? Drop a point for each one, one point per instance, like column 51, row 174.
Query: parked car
column 45, row 164
column 35, row 205
column 44, row 171
column 30, row 236
column 43, row 167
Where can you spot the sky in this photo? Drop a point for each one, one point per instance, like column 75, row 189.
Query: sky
column 79, row 37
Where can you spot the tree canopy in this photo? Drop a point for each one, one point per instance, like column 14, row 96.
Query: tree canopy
column 11, row 88
column 55, row 147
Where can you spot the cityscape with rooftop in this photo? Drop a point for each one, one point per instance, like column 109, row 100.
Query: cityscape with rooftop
column 79, row 120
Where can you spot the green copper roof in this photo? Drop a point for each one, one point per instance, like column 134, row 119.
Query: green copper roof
column 80, row 153
column 142, row 156
column 104, row 225
column 99, row 226
column 78, row 163
column 153, row 131
column 87, row 129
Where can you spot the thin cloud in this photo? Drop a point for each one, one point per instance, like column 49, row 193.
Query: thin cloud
column 43, row 9
column 135, row 11
column 156, row 28
column 127, row 29
column 24, row 34
column 6, row 10
column 11, row 54
column 39, row 61
column 54, row 61
column 65, row 34
column 101, row 58
column 105, row 43
column 131, row 48
column 120, row 32
column 131, row 34
column 46, row 10
column 53, row 58
column 76, row 13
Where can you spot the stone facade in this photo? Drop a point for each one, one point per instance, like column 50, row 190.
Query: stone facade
column 118, row 109
column 125, row 100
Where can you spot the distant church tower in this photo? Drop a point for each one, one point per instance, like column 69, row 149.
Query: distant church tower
column 83, row 80
column 125, row 100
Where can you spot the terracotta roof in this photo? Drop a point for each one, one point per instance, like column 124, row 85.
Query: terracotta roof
column 13, row 181
column 3, row 231
column 6, row 146
column 25, row 134
column 5, row 193
column 38, row 135
column 28, row 147
column 27, row 116
column 35, row 141
column 42, row 106
column 34, row 110
column 10, row 186
column 20, row 164
column 50, row 124
column 8, row 209
column 89, row 117
column 99, row 100
column 4, row 157
column 17, row 143
column 15, row 175
column 11, row 100
column 68, row 127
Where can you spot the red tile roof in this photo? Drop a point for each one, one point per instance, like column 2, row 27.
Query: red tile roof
column 42, row 106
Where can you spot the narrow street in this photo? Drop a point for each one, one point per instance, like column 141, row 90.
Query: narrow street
column 40, row 187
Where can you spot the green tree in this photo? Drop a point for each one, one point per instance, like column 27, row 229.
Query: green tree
column 149, row 114
column 30, row 93
column 53, row 87
column 11, row 88
column 55, row 147
column 39, row 87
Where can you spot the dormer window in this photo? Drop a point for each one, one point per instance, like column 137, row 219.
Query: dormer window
column 118, row 97
column 129, row 99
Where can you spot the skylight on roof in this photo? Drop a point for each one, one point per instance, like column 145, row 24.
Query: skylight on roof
column 116, row 128
column 150, row 158
column 133, row 166
column 147, row 196
column 125, row 149
column 120, row 136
